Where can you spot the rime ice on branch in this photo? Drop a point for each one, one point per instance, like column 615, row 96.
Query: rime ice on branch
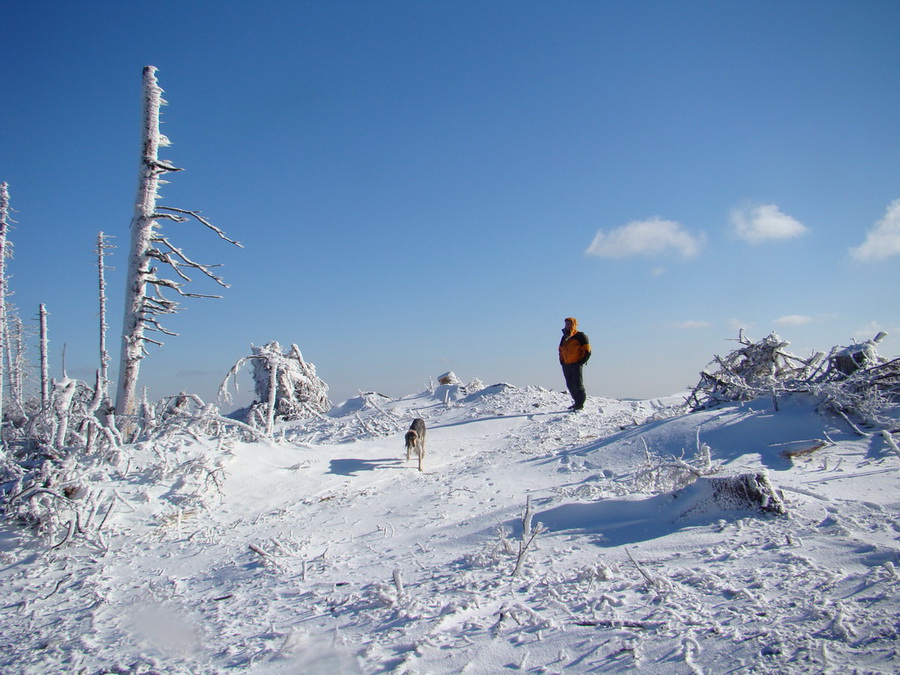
column 150, row 249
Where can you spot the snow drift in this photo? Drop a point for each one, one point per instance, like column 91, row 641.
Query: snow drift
column 325, row 551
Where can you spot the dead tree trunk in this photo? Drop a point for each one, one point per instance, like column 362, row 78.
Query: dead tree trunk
column 103, row 380
column 149, row 250
column 15, row 363
column 45, row 366
column 139, row 269
column 4, row 215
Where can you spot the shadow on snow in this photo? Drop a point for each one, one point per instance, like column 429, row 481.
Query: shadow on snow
column 351, row 467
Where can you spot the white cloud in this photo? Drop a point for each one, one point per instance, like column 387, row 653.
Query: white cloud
column 692, row 325
column 883, row 240
column 645, row 237
column 756, row 224
column 794, row 320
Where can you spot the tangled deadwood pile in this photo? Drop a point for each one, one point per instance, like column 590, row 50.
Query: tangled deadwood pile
column 848, row 380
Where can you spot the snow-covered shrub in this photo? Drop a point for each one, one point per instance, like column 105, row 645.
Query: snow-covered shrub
column 56, row 497
column 187, row 414
column 59, row 466
column 72, row 421
column 659, row 474
column 286, row 386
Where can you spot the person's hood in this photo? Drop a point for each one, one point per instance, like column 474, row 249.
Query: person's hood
column 574, row 325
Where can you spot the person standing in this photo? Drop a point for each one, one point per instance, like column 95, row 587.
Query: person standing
column 574, row 352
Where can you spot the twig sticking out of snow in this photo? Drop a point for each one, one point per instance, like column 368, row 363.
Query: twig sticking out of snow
column 644, row 573
column 689, row 649
column 398, row 584
column 529, row 534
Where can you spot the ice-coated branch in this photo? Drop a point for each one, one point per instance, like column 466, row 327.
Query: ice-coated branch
column 889, row 440
column 196, row 214
column 155, row 325
column 185, row 261
column 529, row 534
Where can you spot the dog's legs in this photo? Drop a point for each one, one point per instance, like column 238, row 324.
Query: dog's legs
column 421, row 444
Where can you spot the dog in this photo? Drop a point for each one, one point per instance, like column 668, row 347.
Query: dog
column 415, row 441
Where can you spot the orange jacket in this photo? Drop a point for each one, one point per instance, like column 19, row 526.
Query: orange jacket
column 574, row 346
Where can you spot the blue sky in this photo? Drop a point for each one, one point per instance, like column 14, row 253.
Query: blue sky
column 433, row 186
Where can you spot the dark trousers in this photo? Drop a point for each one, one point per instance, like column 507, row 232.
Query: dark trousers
column 575, row 383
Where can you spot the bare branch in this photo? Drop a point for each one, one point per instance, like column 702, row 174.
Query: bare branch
column 166, row 257
column 196, row 214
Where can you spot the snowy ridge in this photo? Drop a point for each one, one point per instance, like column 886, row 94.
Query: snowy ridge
column 325, row 551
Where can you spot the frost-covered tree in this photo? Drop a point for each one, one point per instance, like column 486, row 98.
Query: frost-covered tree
column 286, row 386
column 4, row 223
column 103, row 376
column 150, row 249
column 45, row 361
column 16, row 366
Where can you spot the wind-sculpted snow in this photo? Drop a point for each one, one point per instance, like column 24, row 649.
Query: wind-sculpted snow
column 324, row 551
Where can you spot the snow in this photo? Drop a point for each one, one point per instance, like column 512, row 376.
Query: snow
column 324, row 551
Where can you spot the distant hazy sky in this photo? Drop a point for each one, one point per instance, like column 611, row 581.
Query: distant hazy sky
column 433, row 186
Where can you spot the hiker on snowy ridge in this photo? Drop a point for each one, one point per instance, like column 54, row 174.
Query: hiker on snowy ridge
column 574, row 352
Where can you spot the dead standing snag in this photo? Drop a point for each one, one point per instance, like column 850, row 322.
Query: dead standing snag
column 149, row 250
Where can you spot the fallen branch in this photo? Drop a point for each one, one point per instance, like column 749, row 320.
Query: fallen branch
column 258, row 550
column 790, row 454
column 856, row 429
column 58, row 586
column 610, row 623
column 68, row 537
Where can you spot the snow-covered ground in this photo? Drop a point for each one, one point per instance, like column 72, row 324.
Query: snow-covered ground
column 327, row 552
